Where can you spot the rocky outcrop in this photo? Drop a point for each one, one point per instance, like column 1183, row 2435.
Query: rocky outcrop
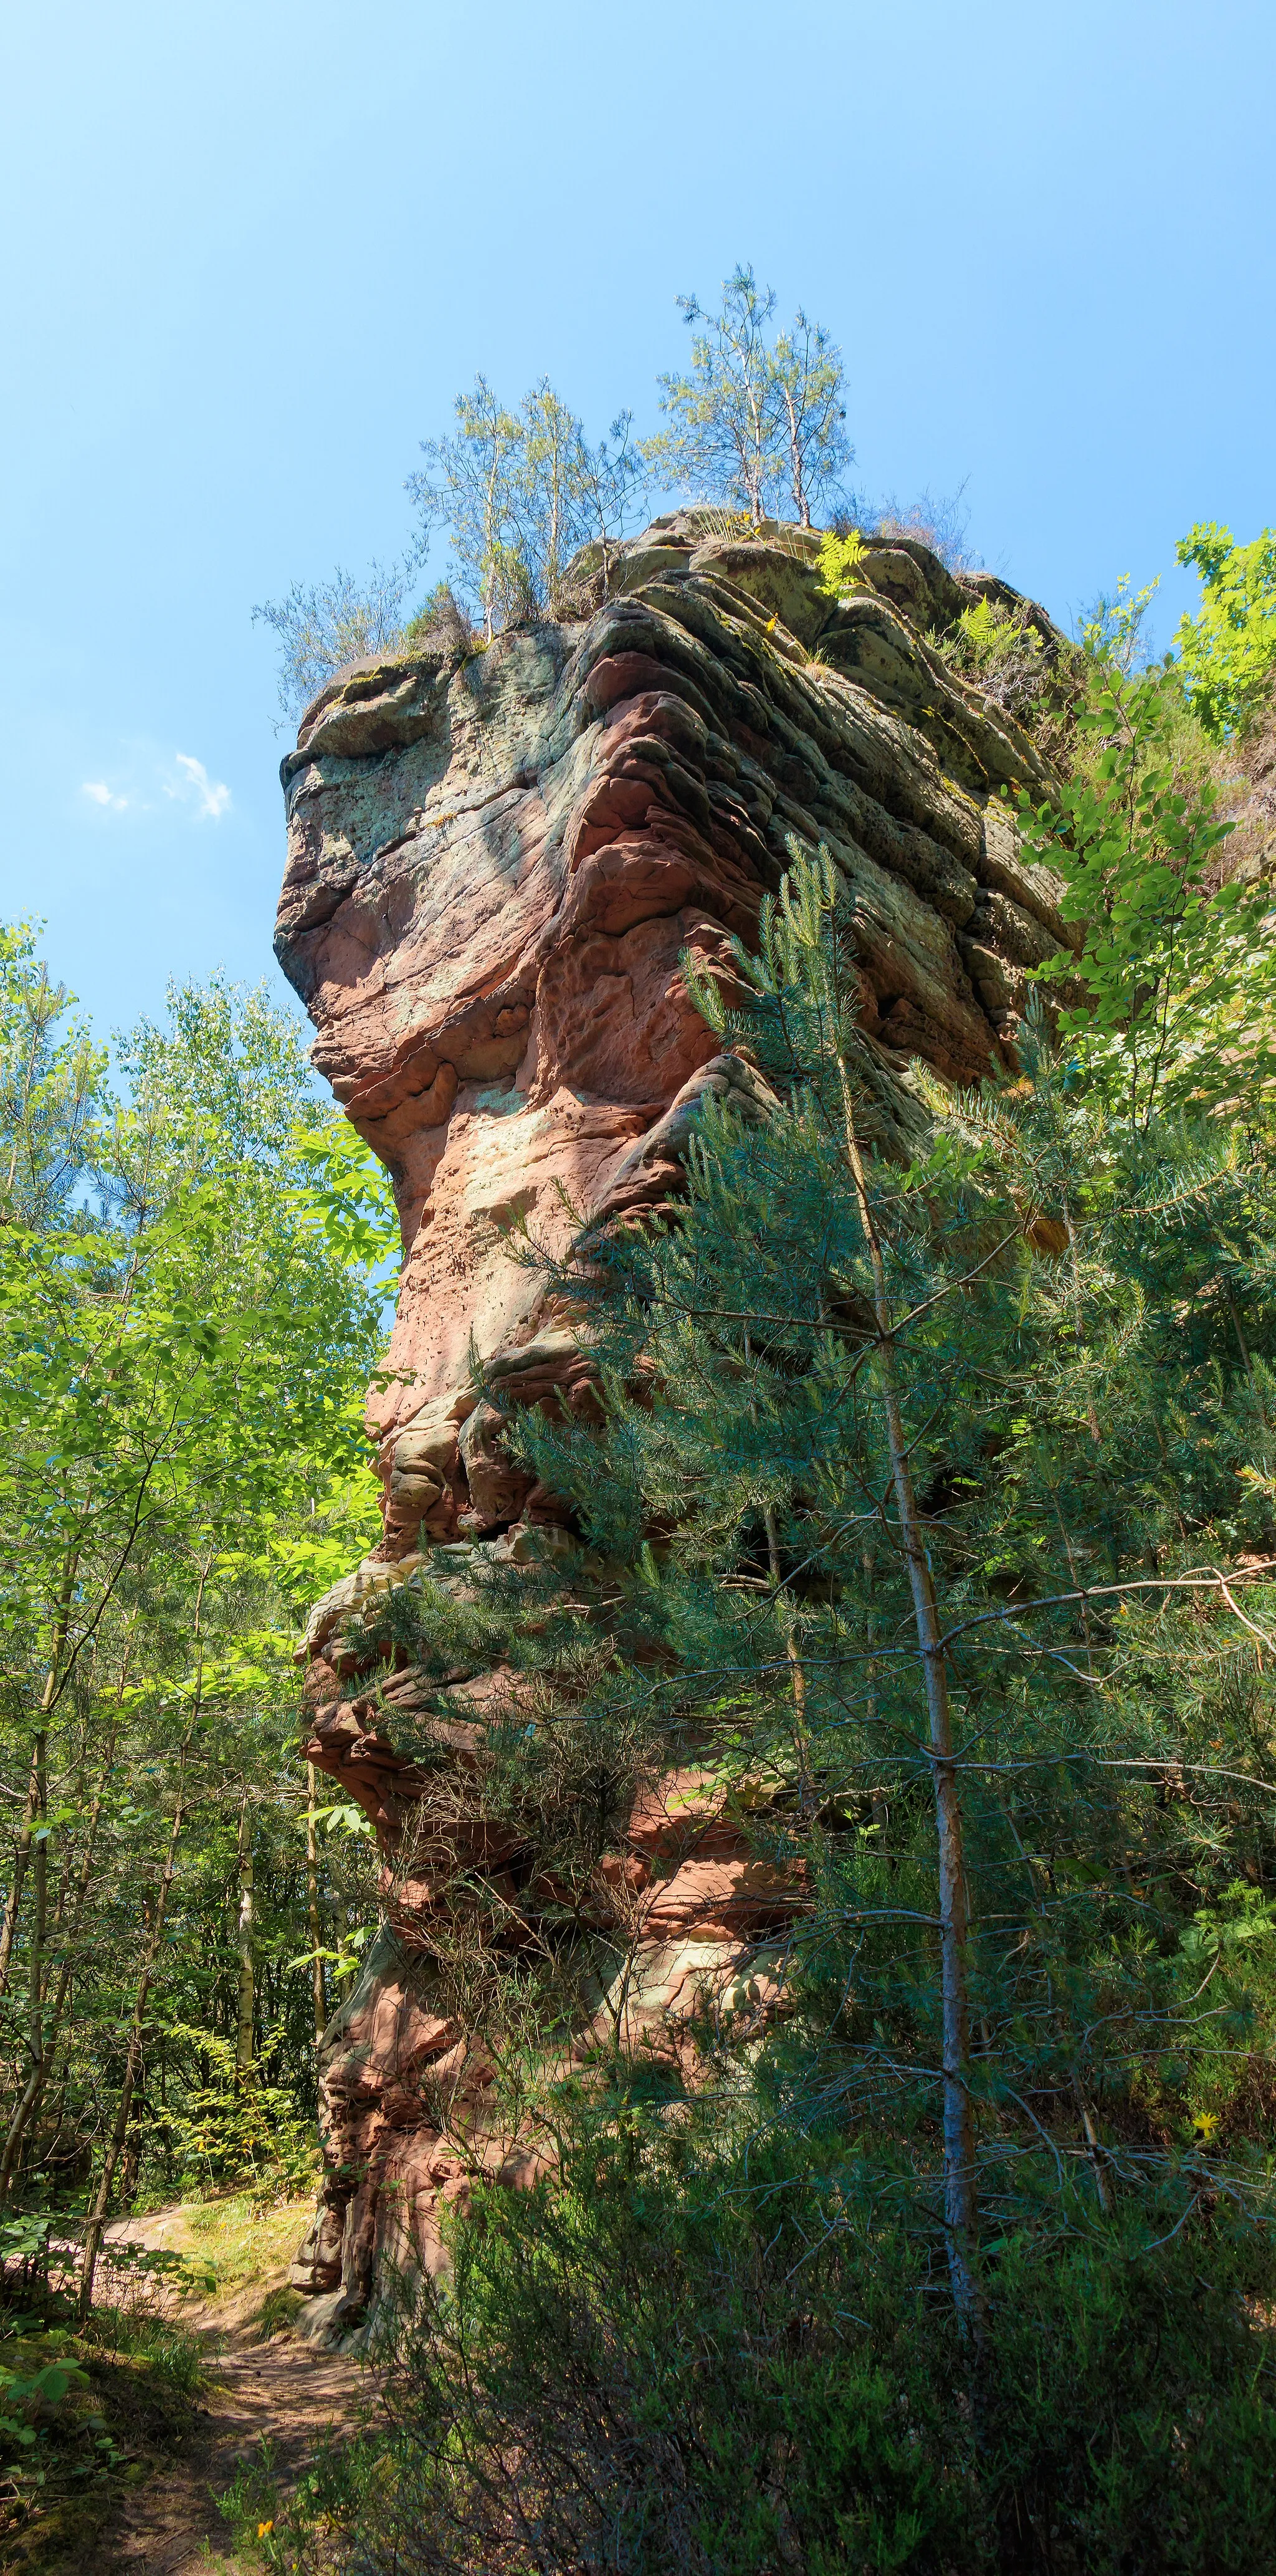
column 499, row 863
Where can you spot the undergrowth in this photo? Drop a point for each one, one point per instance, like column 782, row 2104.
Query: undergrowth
column 680, row 2362
column 86, row 2415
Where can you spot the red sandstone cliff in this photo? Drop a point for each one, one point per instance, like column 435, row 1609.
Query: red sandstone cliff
column 496, row 864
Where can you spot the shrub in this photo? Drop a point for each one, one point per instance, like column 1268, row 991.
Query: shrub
column 678, row 2359
column 1228, row 650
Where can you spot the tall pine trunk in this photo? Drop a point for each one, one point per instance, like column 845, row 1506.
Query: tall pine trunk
column 960, row 2212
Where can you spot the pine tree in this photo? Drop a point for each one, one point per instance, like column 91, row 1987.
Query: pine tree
column 926, row 1532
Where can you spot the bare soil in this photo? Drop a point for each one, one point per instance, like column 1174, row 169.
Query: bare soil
column 283, row 2391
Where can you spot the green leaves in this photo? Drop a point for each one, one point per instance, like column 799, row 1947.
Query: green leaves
column 25, row 2239
column 1229, row 649
column 200, row 1351
column 183, row 1467
column 31, row 2392
column 342, row 1817
column 347, row 1195
column 1212, row 1932
column 841, row 563
column 1176, row 974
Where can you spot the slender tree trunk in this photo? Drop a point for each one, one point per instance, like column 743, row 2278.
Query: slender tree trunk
column 30, row 2099
column 489, row 529
column 39, row 1756
column 879, row 1803
column 96, row 2227
column 39, row 1927
column 35, row 1831
column 797, row 461
column 21, row 1859
column 1101, row 2183
column 555, row 515
column 1091, row 1415
column 312, row 1906
column 244, row 1944
column 37, row 2075
column 133, row 2060
column 797, row 1669
column 785, row 1613
column 132, row 2160
column 66, row 1874
column 954, row 1899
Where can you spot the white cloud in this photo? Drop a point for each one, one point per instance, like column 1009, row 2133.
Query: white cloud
column 151, row 773
column 211, row 798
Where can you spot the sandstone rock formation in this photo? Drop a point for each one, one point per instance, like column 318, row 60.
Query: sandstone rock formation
column 497, row 862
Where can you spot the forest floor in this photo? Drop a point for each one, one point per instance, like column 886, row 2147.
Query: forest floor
column 262, row 2412
column 267, row 2401
column 235, row 2415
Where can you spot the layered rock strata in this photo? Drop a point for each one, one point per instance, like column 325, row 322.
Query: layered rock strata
column 498, row 864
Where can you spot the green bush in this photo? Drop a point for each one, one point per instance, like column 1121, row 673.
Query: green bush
column 85, row 2415
column 1229, row 647
column 706, row 2363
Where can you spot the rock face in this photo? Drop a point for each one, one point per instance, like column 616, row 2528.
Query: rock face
column 497, row 864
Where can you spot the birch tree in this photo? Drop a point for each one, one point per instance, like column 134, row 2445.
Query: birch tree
column 809, row 380
column 756, row 411
column 519, row 493
column 727, row 435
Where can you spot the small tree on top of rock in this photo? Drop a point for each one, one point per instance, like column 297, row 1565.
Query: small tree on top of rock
column 478, row 496
column 321, row 625
column 520, row 493
column 753, row 415
column 809, row 379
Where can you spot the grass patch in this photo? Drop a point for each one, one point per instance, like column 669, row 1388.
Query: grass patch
column 242, row 2241
column 279, row 2532
column 233, row 2243
column 279, row 2308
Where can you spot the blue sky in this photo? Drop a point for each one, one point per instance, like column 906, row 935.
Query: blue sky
column 253, row 251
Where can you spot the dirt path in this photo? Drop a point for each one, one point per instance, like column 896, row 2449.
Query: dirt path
column 284, row 2391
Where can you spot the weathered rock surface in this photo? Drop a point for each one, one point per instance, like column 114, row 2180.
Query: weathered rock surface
column 497, row 865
